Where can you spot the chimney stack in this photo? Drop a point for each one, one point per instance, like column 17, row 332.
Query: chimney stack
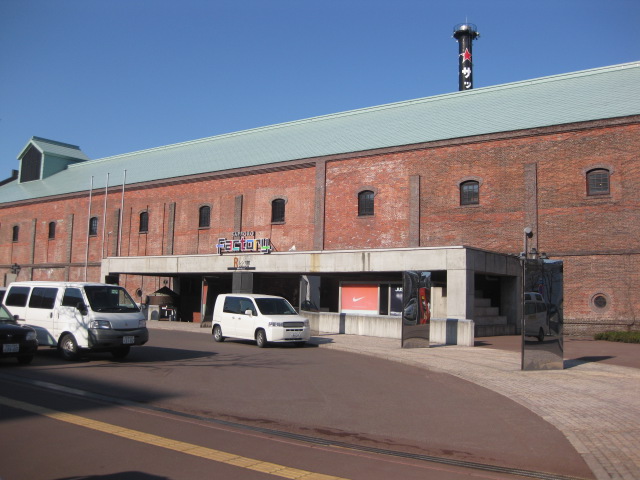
column 465, row 34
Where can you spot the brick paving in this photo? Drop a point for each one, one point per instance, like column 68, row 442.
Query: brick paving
column 595, row 405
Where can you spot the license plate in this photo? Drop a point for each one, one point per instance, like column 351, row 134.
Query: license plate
column 128, row 339
column 294, row 335
column 10, row 348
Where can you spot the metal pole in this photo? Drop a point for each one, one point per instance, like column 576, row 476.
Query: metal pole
column 528, row 233
column 86, row 257
column 124, row 181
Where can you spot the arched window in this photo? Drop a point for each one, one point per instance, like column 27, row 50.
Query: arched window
column 204, row 216
column 277, row 210
column 598, row 181
column 15, row 234
column 470, row 193
column 52, row 230
column 365, row 203
column 93, row 226
column 144, row 222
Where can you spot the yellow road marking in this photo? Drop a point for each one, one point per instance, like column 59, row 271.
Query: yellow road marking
column 176, row 445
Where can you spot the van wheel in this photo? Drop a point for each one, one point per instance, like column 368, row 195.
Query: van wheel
column 217, row 334
column 541, row 335
column 261, row 338
column 68, row 347
column 25, row 359
column 120, row 352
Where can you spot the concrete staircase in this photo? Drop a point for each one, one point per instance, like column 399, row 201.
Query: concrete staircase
column 488, row 321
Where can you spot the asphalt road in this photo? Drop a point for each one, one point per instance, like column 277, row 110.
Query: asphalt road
column 182, row 386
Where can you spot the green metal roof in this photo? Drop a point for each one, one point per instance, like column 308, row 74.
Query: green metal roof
column 59, row 149
column 595, row 94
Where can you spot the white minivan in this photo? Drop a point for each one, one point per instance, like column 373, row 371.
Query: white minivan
column 263, row 318
column 76, row 316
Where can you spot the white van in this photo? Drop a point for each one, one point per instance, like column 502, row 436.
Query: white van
column 75, row 316
column 263, row 318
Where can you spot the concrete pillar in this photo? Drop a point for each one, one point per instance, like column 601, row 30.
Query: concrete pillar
column 242, row 282
column 460, row 294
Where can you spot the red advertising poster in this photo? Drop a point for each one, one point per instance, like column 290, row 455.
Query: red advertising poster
column 359, row 298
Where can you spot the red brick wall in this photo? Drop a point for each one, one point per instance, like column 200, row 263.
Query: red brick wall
column 536, row 181
column 388, row 177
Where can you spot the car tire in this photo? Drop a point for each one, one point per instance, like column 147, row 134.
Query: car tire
column 68, row 347
column 541, row 335
column 217, row 334
column 25, row 359
column 121, row 352
column 261, row 338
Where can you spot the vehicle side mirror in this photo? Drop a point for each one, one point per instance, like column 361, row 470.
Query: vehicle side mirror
column 16, row 318
column 248, row 312
column 82, row 308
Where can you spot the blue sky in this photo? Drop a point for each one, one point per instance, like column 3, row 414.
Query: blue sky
column 116, row 76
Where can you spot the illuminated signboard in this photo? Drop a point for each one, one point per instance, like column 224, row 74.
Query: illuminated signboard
column 243, row 244
column 359, row 298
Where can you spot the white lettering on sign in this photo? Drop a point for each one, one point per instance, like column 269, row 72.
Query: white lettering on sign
column 243, row 234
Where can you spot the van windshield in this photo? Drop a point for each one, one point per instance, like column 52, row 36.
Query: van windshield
column 275, row 306
column 108, row 298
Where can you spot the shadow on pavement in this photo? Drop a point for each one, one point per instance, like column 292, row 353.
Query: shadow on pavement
column 575, row 362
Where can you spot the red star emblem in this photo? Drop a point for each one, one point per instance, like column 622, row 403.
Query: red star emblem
column 466, row 56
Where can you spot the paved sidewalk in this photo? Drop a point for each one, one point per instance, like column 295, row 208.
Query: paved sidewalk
column 595, row 405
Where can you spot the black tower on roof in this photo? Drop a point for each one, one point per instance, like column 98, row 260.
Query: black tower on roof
column 465, row 34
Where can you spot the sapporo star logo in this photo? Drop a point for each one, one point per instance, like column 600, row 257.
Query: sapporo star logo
column 466, row 56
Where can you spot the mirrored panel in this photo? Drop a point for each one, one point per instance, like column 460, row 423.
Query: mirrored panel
column 542, row 302
column 416, row 309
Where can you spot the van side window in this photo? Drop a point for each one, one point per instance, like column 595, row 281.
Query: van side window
column 72, row 297
column 43, row 297
column 246, row 304
column 17, row 297
column 231, row 305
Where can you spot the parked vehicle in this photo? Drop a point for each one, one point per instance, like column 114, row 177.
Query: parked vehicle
column 263, row 318
column 78, row 316
column 17, row 341
column 536, row 319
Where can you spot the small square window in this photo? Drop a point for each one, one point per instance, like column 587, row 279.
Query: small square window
column 204, row 217
column 365, row 203
column 277, row 210
column 52, row 230
column 470, row 193
column 93, row 226
column 598, row 182
column 144, row 222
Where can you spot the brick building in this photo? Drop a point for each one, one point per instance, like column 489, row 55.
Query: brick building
column 344, row 201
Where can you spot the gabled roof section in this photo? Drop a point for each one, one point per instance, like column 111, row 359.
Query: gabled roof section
column 597, row 94
column 51, row 147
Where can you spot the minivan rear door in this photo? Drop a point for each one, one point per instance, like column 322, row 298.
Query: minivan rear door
column 40, row 313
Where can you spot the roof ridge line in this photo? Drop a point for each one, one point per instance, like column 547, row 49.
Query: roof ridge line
column 54, row 142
